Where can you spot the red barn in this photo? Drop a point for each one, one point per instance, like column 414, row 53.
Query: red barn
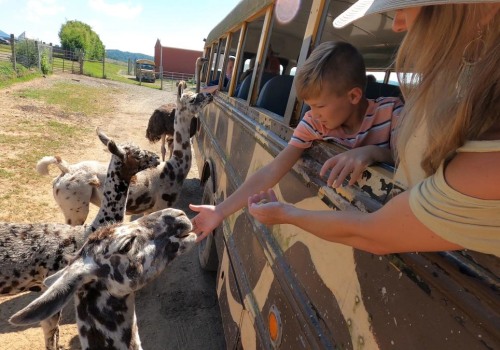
column 176, row 60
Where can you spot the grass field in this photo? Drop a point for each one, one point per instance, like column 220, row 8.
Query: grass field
column 8, row 76
column 42, row 120
column 113, row 70
column 54, row 116
column 118, row 71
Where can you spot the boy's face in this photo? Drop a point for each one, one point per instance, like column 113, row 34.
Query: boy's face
column 330, row 109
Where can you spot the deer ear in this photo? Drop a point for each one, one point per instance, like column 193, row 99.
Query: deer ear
column 102, row 136
column 180, row 90
column 116, row 150
column 57, row 296
column 49, row 281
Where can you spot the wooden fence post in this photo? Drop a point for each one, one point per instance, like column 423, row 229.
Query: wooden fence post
column 80, row 59
column 103, row 62
column 13, row 49
column 39, row 63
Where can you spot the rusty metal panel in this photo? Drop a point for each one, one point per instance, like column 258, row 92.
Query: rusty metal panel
column 230, row 303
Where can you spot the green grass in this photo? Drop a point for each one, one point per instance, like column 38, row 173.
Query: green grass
column 113, row 70
column 41, row 138
column 94, row 69
column 67, row 66
column 118, row 72
column 26, row 138
column 73, row 97
column 4, row 174
column 8, row 76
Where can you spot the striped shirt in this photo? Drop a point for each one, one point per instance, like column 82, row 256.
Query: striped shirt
column 378, row 124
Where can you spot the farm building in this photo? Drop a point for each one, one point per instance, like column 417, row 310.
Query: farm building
column 175, row 60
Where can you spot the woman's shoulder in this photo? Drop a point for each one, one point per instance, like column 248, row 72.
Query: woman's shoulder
column 474, row 171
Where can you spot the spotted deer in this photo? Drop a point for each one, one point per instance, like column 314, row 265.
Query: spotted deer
column 161, row 125
column 114, row 263
column 154, row 189
column 31, row 252
column 160, row 187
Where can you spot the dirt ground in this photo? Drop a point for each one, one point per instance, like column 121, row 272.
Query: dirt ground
column 179, row 310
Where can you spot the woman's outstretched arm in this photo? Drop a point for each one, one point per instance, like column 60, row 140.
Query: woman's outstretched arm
column 391, row 229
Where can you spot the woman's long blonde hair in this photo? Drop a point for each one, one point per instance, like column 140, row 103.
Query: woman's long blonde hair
column 456, row 104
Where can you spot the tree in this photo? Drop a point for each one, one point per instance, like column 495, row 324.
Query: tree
column 78, row 35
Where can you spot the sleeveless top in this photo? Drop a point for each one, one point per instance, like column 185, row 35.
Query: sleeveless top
column 470, row 222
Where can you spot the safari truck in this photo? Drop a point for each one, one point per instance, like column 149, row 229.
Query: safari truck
column 280, row 287
column 145, row 70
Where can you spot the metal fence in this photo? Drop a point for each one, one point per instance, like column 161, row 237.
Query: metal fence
column 67, row 60
column 34, row 54
column 5, row 53
column 46, row 58
column 169, row 79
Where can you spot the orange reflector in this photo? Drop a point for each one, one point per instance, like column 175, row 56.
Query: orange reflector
column 273, row 326
column 274, row 322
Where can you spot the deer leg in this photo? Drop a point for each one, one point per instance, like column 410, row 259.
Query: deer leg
column 170, row 141
column 163, row 149
column 50, row 327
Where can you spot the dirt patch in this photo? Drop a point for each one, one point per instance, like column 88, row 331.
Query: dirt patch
column 179, row 310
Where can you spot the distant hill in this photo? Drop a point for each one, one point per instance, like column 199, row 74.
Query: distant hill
column 125, row 55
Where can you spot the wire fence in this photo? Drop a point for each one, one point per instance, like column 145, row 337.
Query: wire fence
column 46, row 58
column 33, row 54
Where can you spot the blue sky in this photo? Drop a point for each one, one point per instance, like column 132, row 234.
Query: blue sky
column 132, row 25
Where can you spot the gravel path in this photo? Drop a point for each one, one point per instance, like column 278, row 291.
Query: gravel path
column 179, row 310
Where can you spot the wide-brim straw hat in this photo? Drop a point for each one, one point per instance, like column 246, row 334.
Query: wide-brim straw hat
column 367, row 7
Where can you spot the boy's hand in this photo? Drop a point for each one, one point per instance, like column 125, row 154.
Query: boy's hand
column 206, row 221
column 352, row 162
column 266, row 208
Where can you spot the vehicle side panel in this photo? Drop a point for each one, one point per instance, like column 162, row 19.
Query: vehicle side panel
column 329, row 295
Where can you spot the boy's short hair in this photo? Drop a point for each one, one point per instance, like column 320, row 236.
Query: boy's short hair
column 338, row 65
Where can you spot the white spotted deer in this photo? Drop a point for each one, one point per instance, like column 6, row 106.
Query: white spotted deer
column 114, row 263
column 31, row 252
column 160, row 187
column 154, row 189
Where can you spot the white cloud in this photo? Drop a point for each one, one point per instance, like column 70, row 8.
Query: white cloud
column 38, row 10
column 121, row 9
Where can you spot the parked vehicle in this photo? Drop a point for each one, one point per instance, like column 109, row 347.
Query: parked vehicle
column 145, row 70
column 279, row 286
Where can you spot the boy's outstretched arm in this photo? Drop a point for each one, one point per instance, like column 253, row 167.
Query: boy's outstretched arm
column 353, row 162
column 209, row 216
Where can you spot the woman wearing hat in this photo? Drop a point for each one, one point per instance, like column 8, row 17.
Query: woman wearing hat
column 448, row 144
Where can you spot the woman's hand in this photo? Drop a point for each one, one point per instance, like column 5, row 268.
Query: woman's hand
column 266, row 208
column 352, row 162
column 206, row 221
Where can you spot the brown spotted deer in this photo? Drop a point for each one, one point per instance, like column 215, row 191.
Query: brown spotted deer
column 31, row 252
column 154, row 189
column 161, row 125
column 114, row 263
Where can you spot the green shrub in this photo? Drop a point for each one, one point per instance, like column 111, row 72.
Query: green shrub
column 45, row 64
